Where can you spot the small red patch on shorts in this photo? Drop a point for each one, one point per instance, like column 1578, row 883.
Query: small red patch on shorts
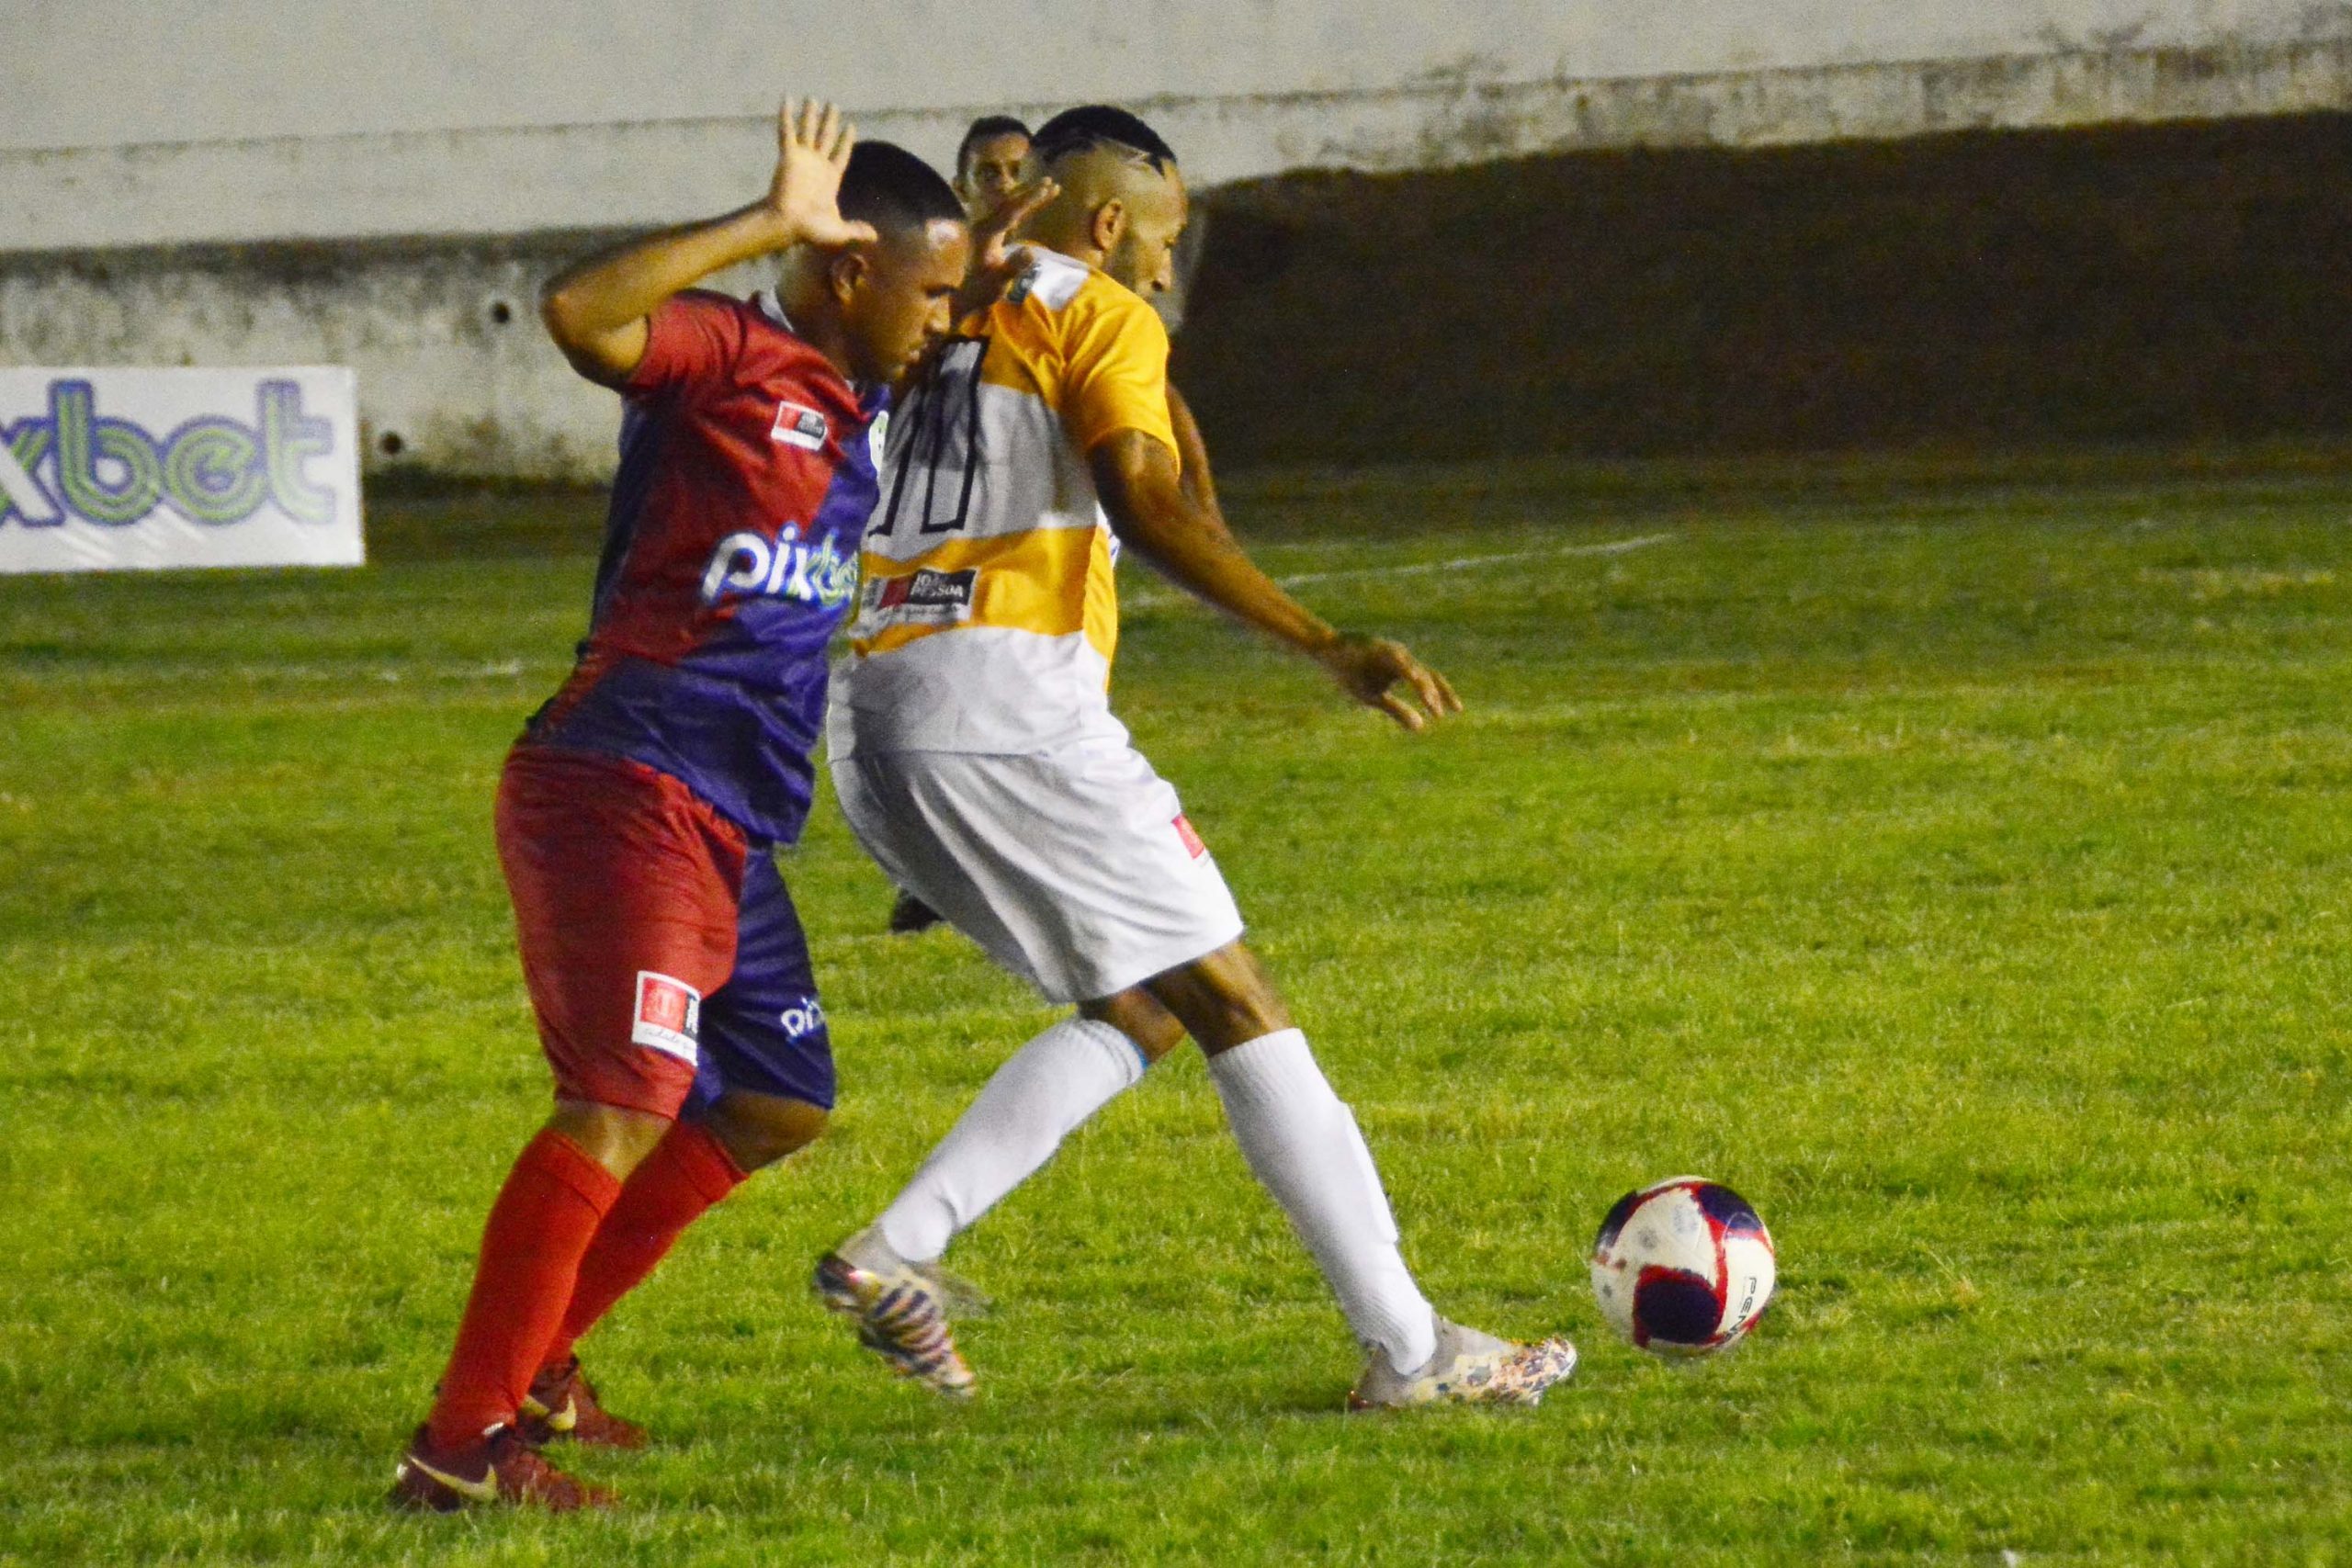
column 667, row 1015
column 1193, row 844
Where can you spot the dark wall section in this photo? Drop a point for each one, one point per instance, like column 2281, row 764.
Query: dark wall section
column 1988, row 289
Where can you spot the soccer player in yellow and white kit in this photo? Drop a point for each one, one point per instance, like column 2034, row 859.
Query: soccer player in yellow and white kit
column 977, row 759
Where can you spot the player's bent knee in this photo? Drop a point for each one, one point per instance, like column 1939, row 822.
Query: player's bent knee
column 758, row 1130
column 1139, row 1015
column 615, row 1137
column 1225, row 999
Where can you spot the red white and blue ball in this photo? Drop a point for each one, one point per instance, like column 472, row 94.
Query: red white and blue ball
column 1682, row 1267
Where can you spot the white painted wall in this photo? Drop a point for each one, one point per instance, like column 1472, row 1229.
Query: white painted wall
column 134, row 123
column 115, row 72
column 128, row 128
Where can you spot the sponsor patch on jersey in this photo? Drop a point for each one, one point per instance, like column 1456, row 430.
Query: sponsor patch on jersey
column 797, row 424
column 1192, row 840
column 668, row 1016
column 924, row 595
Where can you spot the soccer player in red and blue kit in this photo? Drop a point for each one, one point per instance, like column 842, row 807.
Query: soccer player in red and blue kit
column 636, row 816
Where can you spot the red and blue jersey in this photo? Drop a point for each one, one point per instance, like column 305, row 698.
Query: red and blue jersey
column 730, row 556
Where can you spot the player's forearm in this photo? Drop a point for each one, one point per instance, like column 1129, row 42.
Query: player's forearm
column 1190, row 546
column 1136, row 477
column 628, row 283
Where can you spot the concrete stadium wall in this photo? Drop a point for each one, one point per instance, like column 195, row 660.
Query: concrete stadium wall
column 386, row 187
column 1976, row 290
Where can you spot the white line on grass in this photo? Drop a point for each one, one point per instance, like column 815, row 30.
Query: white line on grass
column 1465, row 563
column 1152, row 600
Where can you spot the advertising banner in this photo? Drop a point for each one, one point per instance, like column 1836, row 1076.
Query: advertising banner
column 114, row 467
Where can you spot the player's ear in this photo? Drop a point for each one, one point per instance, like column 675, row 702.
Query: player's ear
column 850, row 266
column 1110, row 221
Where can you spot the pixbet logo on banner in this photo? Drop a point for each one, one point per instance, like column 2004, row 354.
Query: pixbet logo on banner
column 214, row 469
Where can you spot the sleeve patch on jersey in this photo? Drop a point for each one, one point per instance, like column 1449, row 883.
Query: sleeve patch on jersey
column 797, row 424
column 1192, row 840
column 668, row 1016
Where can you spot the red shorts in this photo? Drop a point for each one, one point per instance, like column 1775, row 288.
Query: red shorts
column 627, row 886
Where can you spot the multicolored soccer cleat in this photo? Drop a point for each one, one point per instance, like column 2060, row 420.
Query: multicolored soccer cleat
column 498, row 1467
column 899, row 1309
column 563, row 1406
column 1467, row 1368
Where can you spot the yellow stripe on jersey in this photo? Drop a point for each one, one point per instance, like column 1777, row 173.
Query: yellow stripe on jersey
column 1052, row 581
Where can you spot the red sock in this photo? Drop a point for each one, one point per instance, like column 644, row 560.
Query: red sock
column 542, row 1222
column 687, row 1172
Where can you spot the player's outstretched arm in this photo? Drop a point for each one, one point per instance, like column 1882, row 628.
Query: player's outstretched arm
column 1142, row 492
column 596, row 309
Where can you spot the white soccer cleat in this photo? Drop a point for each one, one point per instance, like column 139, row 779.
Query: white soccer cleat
column 899, row 1308
column 1467, row 1368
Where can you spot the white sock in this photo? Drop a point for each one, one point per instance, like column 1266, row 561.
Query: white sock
column 1302, row 1143
column 1035, row 1099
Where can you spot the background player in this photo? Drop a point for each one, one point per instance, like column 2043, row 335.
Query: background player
column 665, row 964
column 975, row 756
column 987, row 164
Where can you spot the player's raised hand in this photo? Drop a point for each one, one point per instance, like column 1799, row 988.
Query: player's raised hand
column 812, row 147
column 1370, row 668
column 991, row 238
column 996, row 260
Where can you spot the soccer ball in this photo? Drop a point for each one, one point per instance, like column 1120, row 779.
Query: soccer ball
column 1683, row 1267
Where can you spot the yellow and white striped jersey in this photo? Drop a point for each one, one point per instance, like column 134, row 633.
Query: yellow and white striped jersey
column 987, row 618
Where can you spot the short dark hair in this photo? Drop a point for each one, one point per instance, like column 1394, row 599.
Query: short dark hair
column 892, row 188
column 1100, row 125
column 988, row 128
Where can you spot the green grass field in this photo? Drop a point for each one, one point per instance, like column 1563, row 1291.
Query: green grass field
column 1953, row 861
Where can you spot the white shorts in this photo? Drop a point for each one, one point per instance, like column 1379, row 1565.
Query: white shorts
column 1074, row 868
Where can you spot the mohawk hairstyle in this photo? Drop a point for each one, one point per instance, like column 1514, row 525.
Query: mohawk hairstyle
column 988, row 128
column 892, row 188
column 1100, row 125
